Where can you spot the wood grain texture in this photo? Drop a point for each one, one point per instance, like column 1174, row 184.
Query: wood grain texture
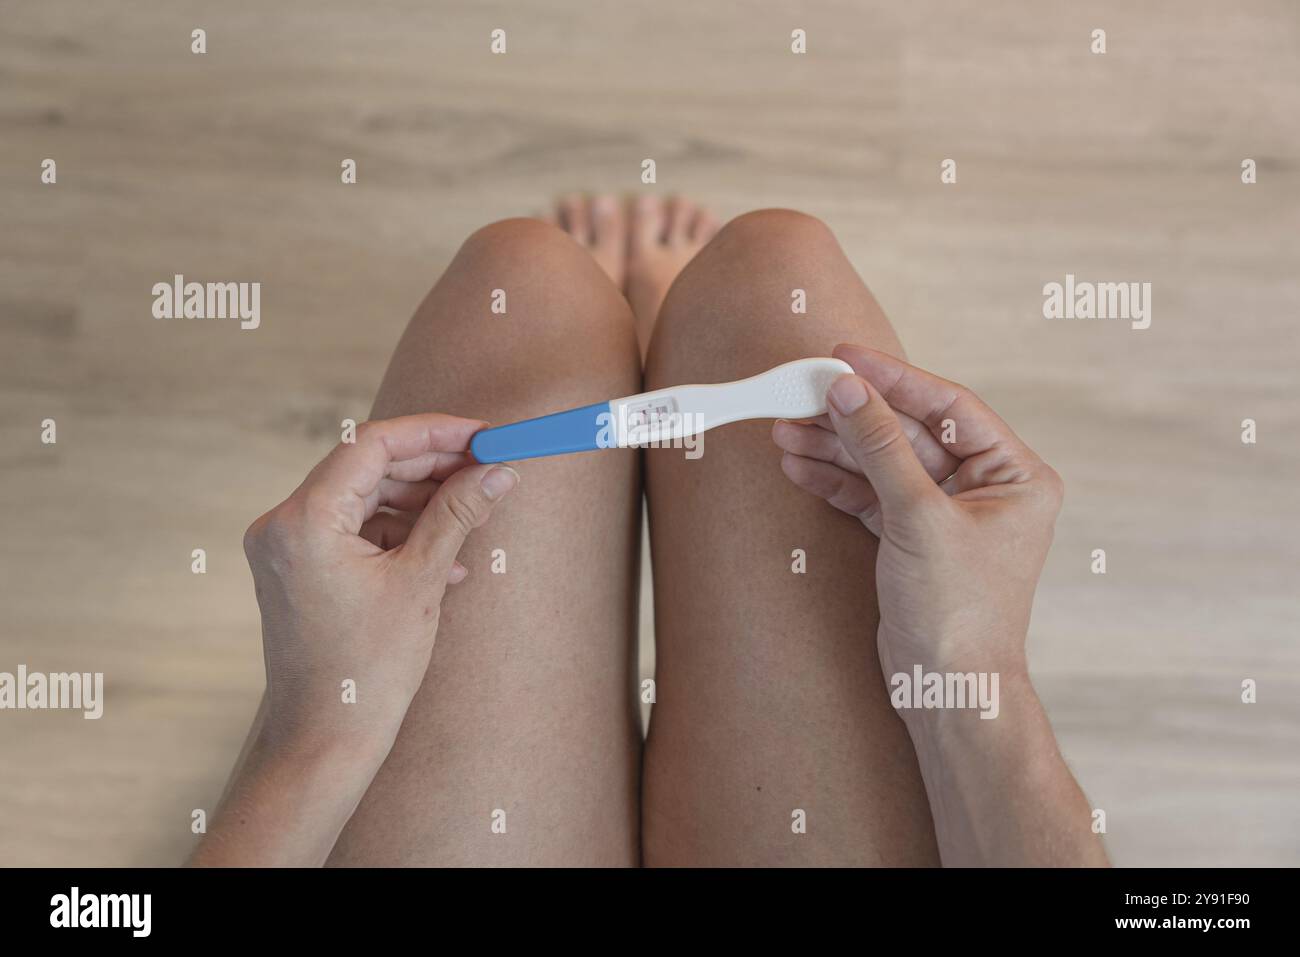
column 226, row 166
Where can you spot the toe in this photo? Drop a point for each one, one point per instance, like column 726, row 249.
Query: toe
column 606, row 221
column 574, row 219
column 647, row 223
column 681, row 213
column 705, row 226
column 609, row 237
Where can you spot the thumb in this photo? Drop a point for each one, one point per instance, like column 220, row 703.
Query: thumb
column 871, row 434
column 461, row 504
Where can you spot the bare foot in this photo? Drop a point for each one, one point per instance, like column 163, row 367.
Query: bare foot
column 661, row 239
column 598, row 224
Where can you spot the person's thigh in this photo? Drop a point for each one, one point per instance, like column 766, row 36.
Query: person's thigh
column 772, row 740
column 523, row 744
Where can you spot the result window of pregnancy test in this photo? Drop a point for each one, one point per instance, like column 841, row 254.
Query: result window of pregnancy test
column 650, row 420
column 644, row 414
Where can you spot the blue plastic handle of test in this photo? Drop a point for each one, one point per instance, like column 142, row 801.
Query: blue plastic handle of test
column 576, row 430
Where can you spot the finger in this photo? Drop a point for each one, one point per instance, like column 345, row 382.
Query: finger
column 388, row 529
column 935, row 458
column 431, row 465
column 975, row 428
column 342, row 488
column 847, row 491
column 988, row 469
column 817, row 439
column 461, row 504
column 873, row 436
column 812, row 442
column 405, row 496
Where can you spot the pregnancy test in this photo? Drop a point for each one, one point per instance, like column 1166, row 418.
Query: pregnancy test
column 795, row 390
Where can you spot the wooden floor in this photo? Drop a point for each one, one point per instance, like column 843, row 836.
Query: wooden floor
column 173, row 436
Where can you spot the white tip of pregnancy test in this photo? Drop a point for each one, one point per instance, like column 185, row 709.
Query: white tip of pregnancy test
column 798, row 388
column 794, row 390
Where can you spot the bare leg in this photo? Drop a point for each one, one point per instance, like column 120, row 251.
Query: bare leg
column 770, row 698
column 528, row 704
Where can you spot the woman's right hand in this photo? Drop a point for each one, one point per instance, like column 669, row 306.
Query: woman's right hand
column 964, row 510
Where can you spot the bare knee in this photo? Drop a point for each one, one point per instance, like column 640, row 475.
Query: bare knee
column 540, row 281
column 777, row 225
column 776, row 248
column 773, row 285
column 531, row 279
column 518, row 241
column 522, row 322
column 775, row 235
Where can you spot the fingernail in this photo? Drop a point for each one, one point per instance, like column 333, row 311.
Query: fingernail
column 604, row 205
column 848, row 394
column 499, row 481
